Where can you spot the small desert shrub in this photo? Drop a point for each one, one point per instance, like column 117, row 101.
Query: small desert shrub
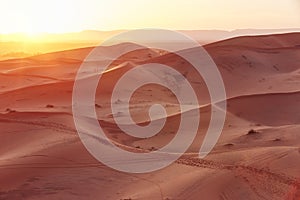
column 98, row 106
column 252, row 131
column 10, row 110
column 152, row 149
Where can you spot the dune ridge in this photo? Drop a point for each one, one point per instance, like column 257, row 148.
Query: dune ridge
column 256, row 157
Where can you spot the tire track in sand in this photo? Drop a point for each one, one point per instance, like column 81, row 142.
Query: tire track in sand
column 254, row 177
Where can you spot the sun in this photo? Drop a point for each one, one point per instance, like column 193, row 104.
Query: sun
column 33, row 36
column 31, row 32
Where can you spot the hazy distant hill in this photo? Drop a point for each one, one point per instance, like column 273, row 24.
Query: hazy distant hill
column 19, row 45
column 203, row 36
column 208, row 36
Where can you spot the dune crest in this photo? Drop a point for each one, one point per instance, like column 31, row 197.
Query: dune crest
column 256, row 157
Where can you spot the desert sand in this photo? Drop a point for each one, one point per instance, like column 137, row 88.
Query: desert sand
column 42, row 157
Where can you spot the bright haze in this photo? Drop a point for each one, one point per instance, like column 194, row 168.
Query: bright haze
column 47, row 26
column 55, row 16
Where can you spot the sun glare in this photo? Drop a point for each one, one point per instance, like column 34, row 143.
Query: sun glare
column 33, row 17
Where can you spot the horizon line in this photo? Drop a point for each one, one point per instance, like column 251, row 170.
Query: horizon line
column 117, row 30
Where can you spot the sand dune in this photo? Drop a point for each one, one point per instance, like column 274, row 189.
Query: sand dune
column 256, row 157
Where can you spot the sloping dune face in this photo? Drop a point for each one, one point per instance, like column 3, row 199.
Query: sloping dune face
column 256, row 157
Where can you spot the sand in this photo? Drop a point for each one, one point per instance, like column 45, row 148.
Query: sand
column 42, row 157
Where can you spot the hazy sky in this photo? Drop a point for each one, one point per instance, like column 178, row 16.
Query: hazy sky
column 34, row 16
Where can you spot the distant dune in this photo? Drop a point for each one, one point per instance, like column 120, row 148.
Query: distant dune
column 20, row 45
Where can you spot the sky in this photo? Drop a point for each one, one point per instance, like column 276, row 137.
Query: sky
column 61, row 16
